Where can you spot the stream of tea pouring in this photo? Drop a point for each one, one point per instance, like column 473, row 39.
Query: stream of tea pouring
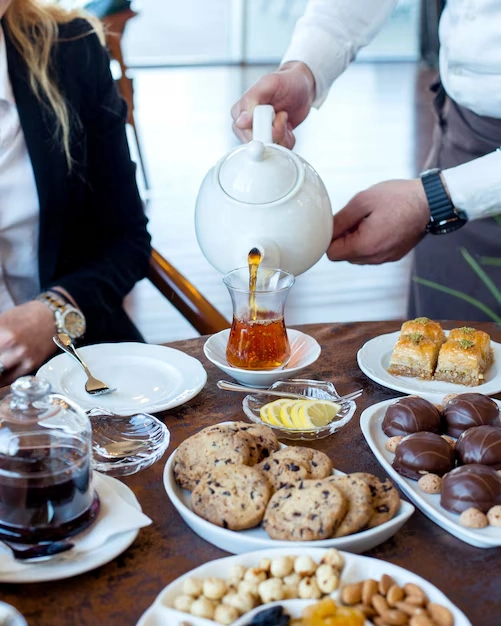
column 258, row 337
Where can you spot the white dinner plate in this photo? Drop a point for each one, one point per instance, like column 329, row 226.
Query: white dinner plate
column 356, row 568
column 374, row 359
column 72, row 563
column 257, row 538
column 148, row 378
column 371, row 425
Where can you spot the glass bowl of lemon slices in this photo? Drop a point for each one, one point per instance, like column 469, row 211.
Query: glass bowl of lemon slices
column 316, row 416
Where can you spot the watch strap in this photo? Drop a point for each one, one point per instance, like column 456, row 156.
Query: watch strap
column 444, row 217
column 52, row 300
column 59, row 294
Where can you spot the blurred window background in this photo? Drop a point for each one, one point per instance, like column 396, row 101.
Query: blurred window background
column 187, row 62
column 192, row 32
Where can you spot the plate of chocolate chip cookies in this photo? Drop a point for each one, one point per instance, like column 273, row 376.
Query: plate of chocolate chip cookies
column 237, row 487
column 445, row 457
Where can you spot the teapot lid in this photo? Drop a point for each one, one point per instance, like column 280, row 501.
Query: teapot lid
column 30, row 405
column 259, row 173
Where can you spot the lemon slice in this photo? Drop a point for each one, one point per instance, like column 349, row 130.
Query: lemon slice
column 270, row 413
column 285, row 413
column 299, row 420
column 317, row 413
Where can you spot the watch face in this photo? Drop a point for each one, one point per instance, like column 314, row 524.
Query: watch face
column 74, row 323
column 446, row 226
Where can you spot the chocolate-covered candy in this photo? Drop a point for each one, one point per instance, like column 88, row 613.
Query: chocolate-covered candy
column 423, row 453
column 476, row 486
column 467, row 410
column 411, row 415
column 480, row 444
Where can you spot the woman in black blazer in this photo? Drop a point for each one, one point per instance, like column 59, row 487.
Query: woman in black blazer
column 93, row 244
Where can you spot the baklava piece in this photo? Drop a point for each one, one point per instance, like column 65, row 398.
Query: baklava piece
column 426, row 327
column 481, row 340
column 462, row 362
column 416, row 351
column 414, row 355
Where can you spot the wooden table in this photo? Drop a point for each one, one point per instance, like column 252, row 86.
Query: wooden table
column 118, row 593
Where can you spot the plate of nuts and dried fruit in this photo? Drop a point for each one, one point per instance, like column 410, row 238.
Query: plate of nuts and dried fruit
column 445, row 457
column 300, row 587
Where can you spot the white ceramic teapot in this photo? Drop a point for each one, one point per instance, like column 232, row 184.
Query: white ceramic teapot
column 262, row 195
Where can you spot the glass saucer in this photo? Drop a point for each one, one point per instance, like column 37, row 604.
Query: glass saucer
column 110, row 428
column 317, row 389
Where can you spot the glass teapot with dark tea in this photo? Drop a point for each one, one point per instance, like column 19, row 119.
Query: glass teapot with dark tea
column 46, row 488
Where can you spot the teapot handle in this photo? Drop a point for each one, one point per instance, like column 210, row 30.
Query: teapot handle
column 262, row 123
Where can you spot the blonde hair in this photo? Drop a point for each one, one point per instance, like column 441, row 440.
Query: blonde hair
column 34, row 28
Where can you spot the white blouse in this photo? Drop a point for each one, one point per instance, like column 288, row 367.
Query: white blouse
column 19, row 204
column 331, row 32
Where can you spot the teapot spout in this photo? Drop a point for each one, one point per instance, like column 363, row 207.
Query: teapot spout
column 266, row 253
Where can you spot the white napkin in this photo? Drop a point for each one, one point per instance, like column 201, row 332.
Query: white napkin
column 115, row 516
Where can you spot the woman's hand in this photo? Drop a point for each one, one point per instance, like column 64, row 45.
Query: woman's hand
column 26, row 333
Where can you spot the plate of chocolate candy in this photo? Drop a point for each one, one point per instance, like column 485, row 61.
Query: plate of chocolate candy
column 445, row 457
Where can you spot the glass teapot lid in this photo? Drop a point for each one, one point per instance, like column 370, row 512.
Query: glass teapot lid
column 45, row 473
column 259, row 173
column 30, row 406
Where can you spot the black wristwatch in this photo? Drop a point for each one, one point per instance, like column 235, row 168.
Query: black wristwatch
column 444, row 217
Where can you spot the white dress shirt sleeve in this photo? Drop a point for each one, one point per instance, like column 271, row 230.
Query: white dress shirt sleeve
column 475, row 187
column 329, row 35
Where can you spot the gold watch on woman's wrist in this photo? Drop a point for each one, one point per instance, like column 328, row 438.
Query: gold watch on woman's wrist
column 68, row 319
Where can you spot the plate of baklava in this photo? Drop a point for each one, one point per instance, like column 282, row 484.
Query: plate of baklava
column 424, row 358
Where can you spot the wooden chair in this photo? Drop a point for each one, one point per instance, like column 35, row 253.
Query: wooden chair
column 185, row 297
column 115, row 22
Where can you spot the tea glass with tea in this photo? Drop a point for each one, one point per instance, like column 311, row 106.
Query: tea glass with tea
column 258, row 336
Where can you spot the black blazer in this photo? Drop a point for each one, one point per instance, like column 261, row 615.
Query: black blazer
column 93, row 238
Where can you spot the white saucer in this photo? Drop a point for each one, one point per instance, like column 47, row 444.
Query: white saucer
column 148, row 378
column 304, row 351
column 374, row 359
column 72, row 563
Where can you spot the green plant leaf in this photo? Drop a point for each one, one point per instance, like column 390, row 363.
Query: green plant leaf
column 481, row 274
column 459, row 294
column 490, row 260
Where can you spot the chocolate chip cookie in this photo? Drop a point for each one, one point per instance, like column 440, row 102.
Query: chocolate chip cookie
column 306, row 511
column 359, row 498
column 385, row 498
column 283, row 472
column 233, row 497
column 318, row 463
column 209, row 448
